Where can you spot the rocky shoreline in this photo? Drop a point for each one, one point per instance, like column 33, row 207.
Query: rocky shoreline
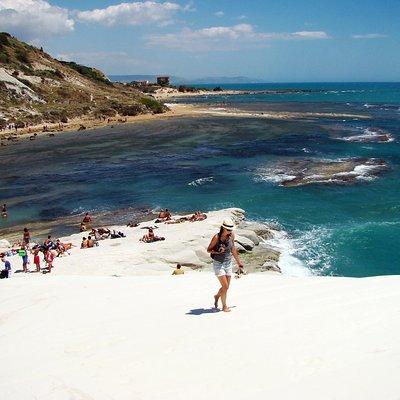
column 185, row 243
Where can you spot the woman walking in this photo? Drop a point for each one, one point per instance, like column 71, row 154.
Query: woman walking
column 222, row 249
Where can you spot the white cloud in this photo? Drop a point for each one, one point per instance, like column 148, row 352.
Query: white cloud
column 219, row 14
column 309, row 35
column 369, row 36
column 133, row 13
column 33, row 20
column 226, row 38
column 242, row 17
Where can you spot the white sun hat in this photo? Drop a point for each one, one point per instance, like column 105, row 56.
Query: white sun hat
column 228, row 224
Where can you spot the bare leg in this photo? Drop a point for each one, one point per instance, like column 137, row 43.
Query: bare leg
column 223, row 291
column 216, row 298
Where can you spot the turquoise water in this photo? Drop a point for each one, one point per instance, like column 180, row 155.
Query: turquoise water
column 212, row 162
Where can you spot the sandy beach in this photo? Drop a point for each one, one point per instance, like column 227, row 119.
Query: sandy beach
column 175, row 110
column 90, row 123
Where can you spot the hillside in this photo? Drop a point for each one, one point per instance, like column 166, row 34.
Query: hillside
column 36, row 88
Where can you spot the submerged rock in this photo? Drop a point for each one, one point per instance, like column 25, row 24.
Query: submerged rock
column 301, row 172
column 369, row 135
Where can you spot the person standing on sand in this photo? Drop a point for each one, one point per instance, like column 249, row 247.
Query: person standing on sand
column 49, row 257
column 27, row 236
column 87, row 219
column 222, row 248
column 23, row 253
column 36, row 259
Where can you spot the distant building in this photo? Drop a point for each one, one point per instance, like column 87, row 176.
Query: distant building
column 163, row 80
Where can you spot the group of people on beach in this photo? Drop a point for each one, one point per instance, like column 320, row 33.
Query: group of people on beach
column 222, row 249
column 46, row 251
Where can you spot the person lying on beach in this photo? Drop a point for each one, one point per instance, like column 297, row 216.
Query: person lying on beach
column 61, row 248
column 96, row 234
column 150, row 237
column 198, row 216
column 117, row 235
column 104, row 231
column 177, row 221
column 163, row 216
column 132, row 224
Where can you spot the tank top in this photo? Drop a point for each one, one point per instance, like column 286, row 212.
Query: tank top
column 227, row 255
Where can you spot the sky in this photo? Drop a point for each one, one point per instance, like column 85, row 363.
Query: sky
column 271, row 40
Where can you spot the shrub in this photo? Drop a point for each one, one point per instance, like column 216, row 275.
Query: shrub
column 3, row 123
column 90, row 73
column 4, row 58
column 4, row 38
column 26, row 83
column 131, row 110
column 153, row 105
column 22, row 55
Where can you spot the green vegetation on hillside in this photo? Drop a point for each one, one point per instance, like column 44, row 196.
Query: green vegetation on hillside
column 91, row 73
column 60, row 90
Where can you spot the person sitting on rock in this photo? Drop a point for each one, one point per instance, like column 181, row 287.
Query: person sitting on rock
column 90, row 242
column 178, row 270
column 84, row 243
column 163, row 216
column 150, row 237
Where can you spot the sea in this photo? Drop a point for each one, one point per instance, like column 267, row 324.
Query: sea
column 236, row 158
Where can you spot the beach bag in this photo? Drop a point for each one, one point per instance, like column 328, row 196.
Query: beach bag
column 4, row 274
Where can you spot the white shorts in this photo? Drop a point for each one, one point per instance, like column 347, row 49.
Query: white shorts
column 223, row 269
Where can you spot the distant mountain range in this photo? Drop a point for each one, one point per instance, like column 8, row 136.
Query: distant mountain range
column 176, row 80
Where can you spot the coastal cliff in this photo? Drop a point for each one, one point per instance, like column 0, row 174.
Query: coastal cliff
column 35, row 88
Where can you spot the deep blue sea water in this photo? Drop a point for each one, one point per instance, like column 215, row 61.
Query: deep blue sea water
column 209, row 162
